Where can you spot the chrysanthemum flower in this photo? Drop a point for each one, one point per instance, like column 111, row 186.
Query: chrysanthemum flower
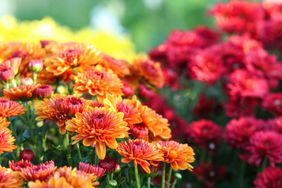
column 264, row 144
column 9, row 179
column 271, row 177
column 43, row 91
column 77, row 178
column 141, row 153
column 22, row 92
column 6, row 73
column 131, row 108
column 10, row 108
column 209, row 173
column 239, row 131
column 273, row 103
column 205, row 133
column 17, row 166
column 157, row 125
column 36, row 172
column 73, row 56
column 53, row 182
column 109, row 164
column 97, row 82
column 59, row 109
column 4, row 122
column 98, row 127
column 6, row 140
column 150, row 70
column 119, row 67
column 91, row 169
column 180, row 156
column 243, row 83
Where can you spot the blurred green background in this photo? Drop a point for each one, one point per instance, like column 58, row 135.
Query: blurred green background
column 148, row 22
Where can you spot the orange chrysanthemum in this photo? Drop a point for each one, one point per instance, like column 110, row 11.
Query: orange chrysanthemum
column 4, row 122
column 157, row 125
column 74, row 56
column 10, row 108
column 22, row 92
column 180, row 156
column 76, row 178
column 98, row 127
column 9, row 179
column 53, row 182
column 59, row 109
column 97, row 82
column 34, row 172
column 150, row 70
column 119, row 67
column 141, row 153
column 6, row 140
column 131, row 108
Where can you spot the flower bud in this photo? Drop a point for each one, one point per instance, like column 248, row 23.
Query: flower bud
column 108, row 163
column 6, row 74
column 35, row 65
column 43, row 91
column 113, row 183
column 26, row 155
column 117, row 169
column 178, row 175
column 26, row 81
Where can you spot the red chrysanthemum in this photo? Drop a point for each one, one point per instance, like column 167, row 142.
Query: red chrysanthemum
column 273, row 103
column 264, row 144
column 239, row 131
column 271, row 177
column 205, row 133
column 91, row 169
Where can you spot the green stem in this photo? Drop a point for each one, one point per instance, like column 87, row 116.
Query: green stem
column 264, row 164
column 242, row 173
column 34, row 78
column 78, row 152
column 137, row 176
column 149, row 182
column 174, row 183
column 163, row 176
column 169, row 177
column 67, row 148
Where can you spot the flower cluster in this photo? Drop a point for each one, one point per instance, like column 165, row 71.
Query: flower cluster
column 68, row 105
column 227, row 84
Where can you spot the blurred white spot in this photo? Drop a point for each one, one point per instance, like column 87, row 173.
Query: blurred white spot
column 153, row 4
column 6, row 7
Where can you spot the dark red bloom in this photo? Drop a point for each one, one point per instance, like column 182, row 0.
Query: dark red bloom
column 26, row 155
column 109, row 164
column 264, row 144
column 273, row 103
column 238, row 131
column 205, row 133
column 271, row 177
column 209, row 173
column 205, row 106
column 127, row 89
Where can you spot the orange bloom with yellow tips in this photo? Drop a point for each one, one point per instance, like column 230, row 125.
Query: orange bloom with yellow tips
column 6, row 140
column 119, row 67
column 141, row 153
column 180, row 156
column 149, row 69
column 9, row 179
column 157, row 125
column 98, row 127
column 131, row 108
column 53, row 182
column 97, row 82
column 59, row 109
column 22, row 92
column 77, row 178
column 9, row 108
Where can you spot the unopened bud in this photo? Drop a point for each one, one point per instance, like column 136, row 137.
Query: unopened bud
column 35, row 65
